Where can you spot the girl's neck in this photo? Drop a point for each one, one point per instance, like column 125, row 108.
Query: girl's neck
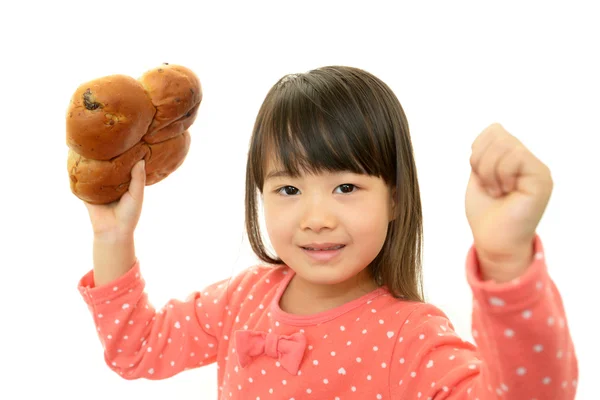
column 305, row 298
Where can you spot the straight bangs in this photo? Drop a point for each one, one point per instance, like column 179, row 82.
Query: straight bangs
column 310, row 125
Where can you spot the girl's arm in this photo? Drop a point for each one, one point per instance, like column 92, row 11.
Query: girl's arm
column 142, row 342
column 113, row 257
column 524, row 347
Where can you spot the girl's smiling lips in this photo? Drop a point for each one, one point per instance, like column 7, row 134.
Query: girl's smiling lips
column 323, row 252
column 321, row 246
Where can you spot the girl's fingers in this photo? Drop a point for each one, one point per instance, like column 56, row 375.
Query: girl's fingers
column 487, row 170
column 509, row 168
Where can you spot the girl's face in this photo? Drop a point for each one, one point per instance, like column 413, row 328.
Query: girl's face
column 345, row 213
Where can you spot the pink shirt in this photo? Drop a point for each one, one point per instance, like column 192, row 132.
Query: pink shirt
column 375, row 347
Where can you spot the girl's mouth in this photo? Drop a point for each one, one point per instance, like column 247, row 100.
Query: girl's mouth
column 323, row 253
column 336, row 247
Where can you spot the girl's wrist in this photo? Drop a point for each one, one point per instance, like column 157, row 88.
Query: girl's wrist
column 505, row 269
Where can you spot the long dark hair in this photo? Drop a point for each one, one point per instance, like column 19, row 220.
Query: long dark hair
column 339, row 118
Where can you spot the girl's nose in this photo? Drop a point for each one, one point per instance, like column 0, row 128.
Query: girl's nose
column 318, row 215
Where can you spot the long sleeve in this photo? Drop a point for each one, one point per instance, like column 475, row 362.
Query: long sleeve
column 524, row 348
column 141, row 342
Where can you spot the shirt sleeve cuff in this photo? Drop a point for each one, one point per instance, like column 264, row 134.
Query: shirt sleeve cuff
column 93, row 294
column 517, row 294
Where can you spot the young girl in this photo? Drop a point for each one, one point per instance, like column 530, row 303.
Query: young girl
column 338, row 312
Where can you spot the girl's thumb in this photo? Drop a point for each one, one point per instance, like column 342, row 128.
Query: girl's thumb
column 138, row 180
column 142, row 172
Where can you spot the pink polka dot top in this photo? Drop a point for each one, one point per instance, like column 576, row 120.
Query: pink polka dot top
column 375, row 347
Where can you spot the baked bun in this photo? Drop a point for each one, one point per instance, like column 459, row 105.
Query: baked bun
column 115, row 121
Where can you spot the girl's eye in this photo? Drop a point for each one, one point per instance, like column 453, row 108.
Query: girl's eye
column 347, row 188
column 288, row 190
column 292, row 191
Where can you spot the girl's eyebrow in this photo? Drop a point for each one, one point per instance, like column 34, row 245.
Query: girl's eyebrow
column 277, row 174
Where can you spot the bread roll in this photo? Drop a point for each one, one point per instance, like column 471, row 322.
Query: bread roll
column 108, row 116
column 175, row 91
column 115, row 121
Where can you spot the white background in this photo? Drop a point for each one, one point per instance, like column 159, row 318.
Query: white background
column 455, row 66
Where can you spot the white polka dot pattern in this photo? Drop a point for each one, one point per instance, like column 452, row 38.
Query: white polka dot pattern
column 377, row 347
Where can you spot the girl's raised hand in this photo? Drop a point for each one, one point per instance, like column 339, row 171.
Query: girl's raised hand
column 120, row 218
column 507, row 194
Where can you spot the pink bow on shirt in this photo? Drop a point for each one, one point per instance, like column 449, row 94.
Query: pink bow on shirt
column 289, row 350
